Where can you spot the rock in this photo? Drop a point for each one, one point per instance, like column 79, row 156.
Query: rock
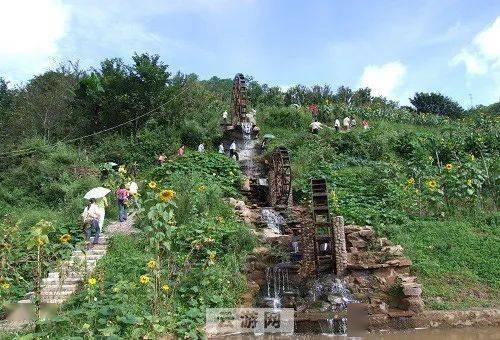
column 351, row 228
column 412, row 289
column 401, row 262
column 396, row 250
column 261, row 250
column 353, row 249
column 232, row 201
column 414, row 304
column 367, row 233
column 246, row 185
column 359, row 243
column 383, row 241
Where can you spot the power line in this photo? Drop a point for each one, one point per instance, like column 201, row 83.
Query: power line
column 30, row 150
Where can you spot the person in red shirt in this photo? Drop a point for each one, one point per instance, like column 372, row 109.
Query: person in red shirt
column 122, row 195
column 180, row 152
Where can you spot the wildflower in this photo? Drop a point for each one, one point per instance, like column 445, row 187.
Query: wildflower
column 472, row 158
column 410, row 181
column 116, row 290
column 65, row 238
column 122, row 169
column 430, row 158
column 171, row 222
column 144, row 279
column 165, row 288
column 41, row 242
column 92, row 281
column 5, row 286
column 211, row 257
column 231, row 173
column 202, row 187
column 432, row 184
column 469, row 182
column 166, row 195
column 152, row 264
column 219, row 219
column 417, row 192
column 152, row 185
column 448, row 166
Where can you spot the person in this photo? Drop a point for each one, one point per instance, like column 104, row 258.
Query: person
column 133, row 190
column 251, row 117
column 337, row 125
column 180, row 152
column 221, row 148
column 365, row 124
column 91, row 217
column 122, row 195
column 315, row 126
column 353, row 123
column 347, row 123
column 161, row 159
column 201, row 148
column 232, row 149
column 102, row 203
column 224, row 117
column 314, row 111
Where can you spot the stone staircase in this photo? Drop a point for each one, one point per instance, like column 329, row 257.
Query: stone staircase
column 60, row 284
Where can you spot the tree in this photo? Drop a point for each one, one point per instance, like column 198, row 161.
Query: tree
column 436, row 103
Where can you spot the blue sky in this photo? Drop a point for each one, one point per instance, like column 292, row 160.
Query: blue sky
column 394, row 47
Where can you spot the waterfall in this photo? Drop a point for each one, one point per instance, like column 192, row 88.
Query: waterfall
column 278, row 283
column 273, row 219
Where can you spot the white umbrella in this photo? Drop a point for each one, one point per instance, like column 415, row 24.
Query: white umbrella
column 96, row 193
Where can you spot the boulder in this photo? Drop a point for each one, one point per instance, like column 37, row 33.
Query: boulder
column 412, row 289
column 366, row 233
column 413, row 304
column 261, row 250
column 383, row 241
column 396, row 250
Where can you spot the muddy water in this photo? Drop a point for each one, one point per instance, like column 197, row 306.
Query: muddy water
column 427, row 334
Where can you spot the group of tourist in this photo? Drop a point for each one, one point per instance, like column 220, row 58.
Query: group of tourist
column 94, row 213
column 348, row 123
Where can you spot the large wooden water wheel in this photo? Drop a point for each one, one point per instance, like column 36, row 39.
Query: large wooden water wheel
column 281, row 179
column 238, row 99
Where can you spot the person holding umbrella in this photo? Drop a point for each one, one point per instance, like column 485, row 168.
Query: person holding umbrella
column 99, row 194
column 122, row 195
column 91, row 216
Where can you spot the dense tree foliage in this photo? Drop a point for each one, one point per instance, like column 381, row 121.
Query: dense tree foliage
column 436, row 103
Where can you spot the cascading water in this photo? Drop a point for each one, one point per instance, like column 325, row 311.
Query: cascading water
column 278, row 284
column 337, row 296
column 273, row 219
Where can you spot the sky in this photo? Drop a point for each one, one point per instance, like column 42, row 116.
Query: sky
column 395, row 47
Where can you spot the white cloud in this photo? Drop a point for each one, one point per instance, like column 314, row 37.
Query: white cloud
column 383, row 79
column 31, row 30
column 483, row 54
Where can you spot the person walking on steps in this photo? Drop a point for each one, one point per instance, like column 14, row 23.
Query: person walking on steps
column 91, row 216
column 232, row 150
column 221, row 148
column 122, row 196
column 201, row 148
column 337, row 125
column 224, row 117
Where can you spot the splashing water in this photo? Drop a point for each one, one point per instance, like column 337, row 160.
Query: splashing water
column 278, row 283
column 273, row 219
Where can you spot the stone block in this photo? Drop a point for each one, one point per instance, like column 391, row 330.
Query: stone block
column 366, row 233
column 396, row 250
column 412, row 289
column 414, row 304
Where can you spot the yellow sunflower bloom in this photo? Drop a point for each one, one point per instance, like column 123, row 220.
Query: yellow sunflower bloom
column 166, row 195
column 202, row 188
column 5, row 286
column 469, row 182
column 144, row 279
column 41, row 242
column 152, row 264
column 410, row 181
column 92, row 281
column 152, row 185
column 65, row 238
column 432, row 184
column 165, row 288
column 472, row 158
column 448, row 166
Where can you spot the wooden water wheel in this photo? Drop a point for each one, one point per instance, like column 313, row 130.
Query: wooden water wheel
column 238, row 99
column 282, row 177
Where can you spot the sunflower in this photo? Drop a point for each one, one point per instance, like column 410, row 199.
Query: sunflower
column 448, row 166
column 65, row 238
column 410, row 181
column 5, row 286
column 202, row 187
column 472, row 158
column 469, row 182
column 122, row 169
column 144, row 279
column 152, row 185
column 152, row 264
column 92, row 281
column 432, row 184
column 166, row 195
column 219, row 219
column 40, row 241
column 165, row 288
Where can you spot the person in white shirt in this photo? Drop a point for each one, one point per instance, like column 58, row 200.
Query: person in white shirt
column 133, row 190
column 201, row 148
column 337, row 125
column 353, row 123
column 221, row 148
column 232, row 150
column 91, row 216
column 347, row 123
column 315, row 126
column 224, row 117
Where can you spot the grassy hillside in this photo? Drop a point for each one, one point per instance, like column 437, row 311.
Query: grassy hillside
column 429, row 184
